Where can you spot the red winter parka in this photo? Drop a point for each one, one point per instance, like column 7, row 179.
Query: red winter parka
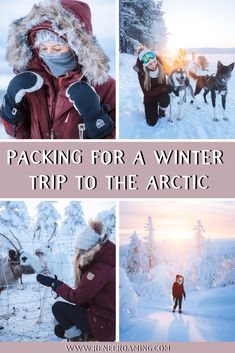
column 96, row 290
column 178, row 290
column 48, row 112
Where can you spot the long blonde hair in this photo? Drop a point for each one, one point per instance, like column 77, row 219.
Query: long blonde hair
column 97, row 226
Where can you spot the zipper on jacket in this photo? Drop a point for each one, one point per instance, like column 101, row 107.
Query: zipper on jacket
column 81, row 129
column 52, row 132
column 60, row 83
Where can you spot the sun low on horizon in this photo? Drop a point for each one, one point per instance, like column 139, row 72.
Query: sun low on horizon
column 176, row 219
column 199, row 24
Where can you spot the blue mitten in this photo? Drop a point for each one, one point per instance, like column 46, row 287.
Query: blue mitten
column 86, row 101
column 25, row 82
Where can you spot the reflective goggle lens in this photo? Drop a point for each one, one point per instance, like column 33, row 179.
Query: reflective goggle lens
column 148, row 56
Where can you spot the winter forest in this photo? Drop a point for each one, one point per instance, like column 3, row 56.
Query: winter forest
column 148, row 269
column 46, row 241
column 141, row 22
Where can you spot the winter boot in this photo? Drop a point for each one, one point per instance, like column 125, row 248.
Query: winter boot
column 180, row 311
column 173, row 310
column 74, row 334
column 76, row 339
column 152, row 121
column 161, row 113
column 59, row 331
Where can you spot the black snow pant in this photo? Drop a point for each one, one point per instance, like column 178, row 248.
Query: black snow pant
column 69, row 315
column 178, row 301
column 156, row 109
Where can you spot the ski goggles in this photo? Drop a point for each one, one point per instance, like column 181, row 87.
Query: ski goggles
column 147, row 57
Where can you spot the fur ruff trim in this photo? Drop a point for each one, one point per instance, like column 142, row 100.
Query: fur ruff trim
column 88, row 257
column 90, row 55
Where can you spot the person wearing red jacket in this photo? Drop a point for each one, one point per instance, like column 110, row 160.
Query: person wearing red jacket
column 178, row 292
column 152, row 80
column 89, row 313
column 62, row 89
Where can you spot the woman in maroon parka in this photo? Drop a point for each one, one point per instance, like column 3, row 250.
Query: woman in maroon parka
column 92, row 312
column 178, row 292
column 152, row 80
column 62, row 89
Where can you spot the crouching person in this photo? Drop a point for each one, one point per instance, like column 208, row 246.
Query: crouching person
column 89, row 313
column 153, row 84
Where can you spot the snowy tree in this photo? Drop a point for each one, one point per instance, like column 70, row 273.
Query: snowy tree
column 108, row 218
column 204, row 262
column 14, row 219
column 134, row 263
column 141, row 22
column 46, row 220
column 73, row 222
column 14, row 215
column 151, row 255
column 128, row 299
column 226, row 271
column 208, row 266
column 198, row 237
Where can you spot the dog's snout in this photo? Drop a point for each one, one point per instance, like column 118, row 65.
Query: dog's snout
column 24, row 259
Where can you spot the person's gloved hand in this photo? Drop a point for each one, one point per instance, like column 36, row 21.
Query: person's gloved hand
column 48, row 281
column 86, row 101
column 25, row 82
column 185, row 297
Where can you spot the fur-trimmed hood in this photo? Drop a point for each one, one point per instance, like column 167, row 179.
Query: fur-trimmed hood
column 71, row 20
column 102, row 252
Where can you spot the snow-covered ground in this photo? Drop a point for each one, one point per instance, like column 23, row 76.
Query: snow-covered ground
column 208, row 316
column 195, row 124
column 19, row 313
column 148, row 270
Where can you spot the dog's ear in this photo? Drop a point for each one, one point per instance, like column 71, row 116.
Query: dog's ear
column 219, row 65
column 231, row 67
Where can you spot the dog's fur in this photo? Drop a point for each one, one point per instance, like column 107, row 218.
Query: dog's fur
column 64, row 23
column 179, row 81
column 216, row 84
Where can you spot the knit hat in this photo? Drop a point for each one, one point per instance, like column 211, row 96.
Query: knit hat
column 179, row 278
column 44, row 35
column 90, row 236
column 150, row 55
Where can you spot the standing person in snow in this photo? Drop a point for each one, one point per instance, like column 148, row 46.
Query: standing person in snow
column 62, row 89
column 153, row 84
column 178, row 292
column 93, row 315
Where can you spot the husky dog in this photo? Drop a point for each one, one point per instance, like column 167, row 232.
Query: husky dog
column 216, row 84
column 179, row 82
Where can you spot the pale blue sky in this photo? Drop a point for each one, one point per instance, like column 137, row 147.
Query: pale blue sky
column 176, row 218
column 103, row 15
column 200, row 23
